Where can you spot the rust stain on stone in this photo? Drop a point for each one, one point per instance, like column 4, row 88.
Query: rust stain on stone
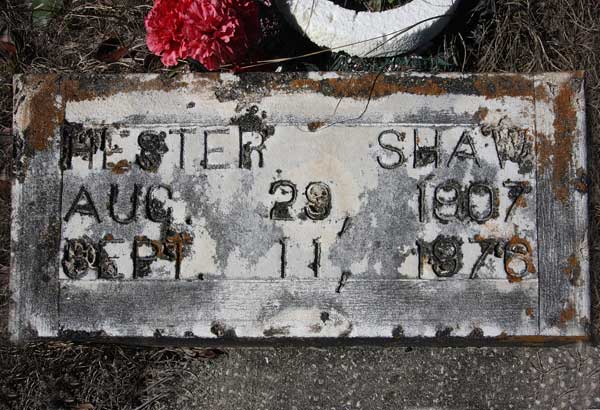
column 76, row 90
column 368, row 86
column 480, row 115
column 541, row 94
column 121, row 167
column 573, row 270
column 567, row 314
column 521, row 202
column 315, row 125
column 496, row 86
column 555, row 154
column 44, row 116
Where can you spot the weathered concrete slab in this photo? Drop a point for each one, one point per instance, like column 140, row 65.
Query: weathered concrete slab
column 300, row 205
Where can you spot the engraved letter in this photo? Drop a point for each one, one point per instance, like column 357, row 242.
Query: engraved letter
column 283, row 243
column 153, row 147
column 86, row 208
column 182, row 132
column 155, row 208
column 318, row 195
column 316, row 263
column 107, row 269
column 398, row 151
column 78, row 141
column 208, row 151
column 255, row 125
column 518, row 259
column 466, row 152
column 426, row 155
column 281, row 210
column 114, row 195
column 517, row 192
column 174, row 247
column 79, row 257
column 141, row 262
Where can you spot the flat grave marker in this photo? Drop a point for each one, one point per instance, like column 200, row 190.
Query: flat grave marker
column 301, row 205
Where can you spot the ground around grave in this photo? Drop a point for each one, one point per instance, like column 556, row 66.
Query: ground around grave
column 506, row 36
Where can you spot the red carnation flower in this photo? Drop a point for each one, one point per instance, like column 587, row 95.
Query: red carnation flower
column 214, row 32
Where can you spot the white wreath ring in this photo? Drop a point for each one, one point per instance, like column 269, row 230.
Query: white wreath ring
column 368, row 34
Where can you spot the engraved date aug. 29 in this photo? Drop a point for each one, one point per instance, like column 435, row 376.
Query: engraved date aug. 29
column 318, row 200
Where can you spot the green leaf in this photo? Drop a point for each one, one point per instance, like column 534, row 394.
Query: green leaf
column 42, row 11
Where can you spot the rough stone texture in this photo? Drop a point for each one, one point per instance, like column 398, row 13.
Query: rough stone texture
column 387, row 206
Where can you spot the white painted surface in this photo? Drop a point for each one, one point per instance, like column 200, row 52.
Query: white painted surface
column 369, row 34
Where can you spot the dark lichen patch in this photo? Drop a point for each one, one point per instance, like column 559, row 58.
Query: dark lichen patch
column 373, row 85
column 445, row 332
column 315, row 125
column 277, row 331
column 476, row 333
column 78, row 88
column 218, row 329
column 221, row 330
column 71, row 334
column 582, row 181
column 504, row 85
column 398, row 332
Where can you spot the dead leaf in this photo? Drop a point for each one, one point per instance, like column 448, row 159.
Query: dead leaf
column 8, row 50
column 84, row 406
column 111, row 50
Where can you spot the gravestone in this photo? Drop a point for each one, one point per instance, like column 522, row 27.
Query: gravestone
column 304, row 205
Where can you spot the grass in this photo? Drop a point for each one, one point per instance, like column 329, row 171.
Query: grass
column 498, row 36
